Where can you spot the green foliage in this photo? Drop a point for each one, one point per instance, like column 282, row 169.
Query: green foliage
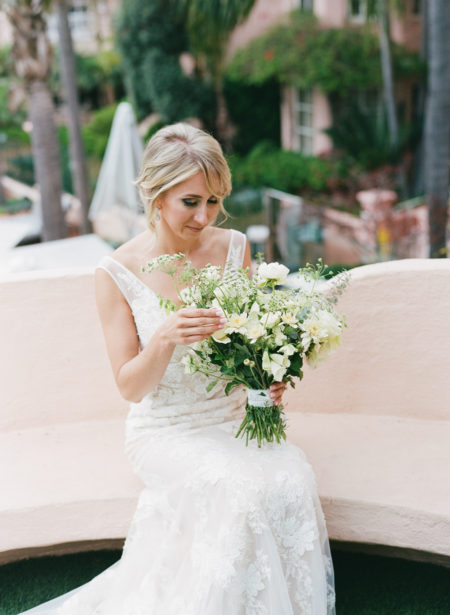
column 173, row 95
column 151, row 36
column 66, row 174
column 22, row 168
column 283, row 170
column 255, row 111
column 13, row 206
column 209, row 25
column 99, row 77
column 301, row 54
column 96, row 133
column 364, row 136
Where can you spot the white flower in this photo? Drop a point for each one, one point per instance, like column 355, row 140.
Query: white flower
column 275, row 364
column 215, row 304
column 321, row 352
column 221, row 336
column 273, row 272
column 254, row 329
column 330, row 323
column 270, row 319
column 279, row 336
column 212, row 273
column 254, row 310
column 290, row 319
column 236, row 323
column 189, row 365
column 288, row 350
column 225, row 291
column 313, row 331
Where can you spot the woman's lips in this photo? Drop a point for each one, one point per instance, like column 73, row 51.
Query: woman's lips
column 192, row 228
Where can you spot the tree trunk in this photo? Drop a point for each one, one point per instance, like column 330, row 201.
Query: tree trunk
column 32, row 55
column 437, row 125
column 386, row 70
column 418, row 168
column 389, row 88
column 77, row 154
column 46, row 159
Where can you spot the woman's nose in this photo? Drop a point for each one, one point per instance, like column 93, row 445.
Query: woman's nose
column 201, row 215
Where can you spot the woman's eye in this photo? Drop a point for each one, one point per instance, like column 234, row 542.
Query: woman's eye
column 212, row 201
column 189, row 202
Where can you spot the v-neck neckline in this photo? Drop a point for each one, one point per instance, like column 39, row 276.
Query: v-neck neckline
column 154, row 293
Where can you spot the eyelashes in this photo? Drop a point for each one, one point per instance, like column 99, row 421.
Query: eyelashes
column 193, row 202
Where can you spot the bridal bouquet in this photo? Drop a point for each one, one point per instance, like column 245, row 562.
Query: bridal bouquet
column 268, row 334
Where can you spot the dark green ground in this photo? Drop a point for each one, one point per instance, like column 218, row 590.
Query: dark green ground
column 365, row 584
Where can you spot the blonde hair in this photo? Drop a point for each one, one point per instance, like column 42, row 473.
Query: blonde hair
column 175, row 153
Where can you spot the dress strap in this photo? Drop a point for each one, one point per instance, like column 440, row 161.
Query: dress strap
column 127, row 283
column 236, row 250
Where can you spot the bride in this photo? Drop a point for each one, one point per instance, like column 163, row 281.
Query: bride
column 219, row 528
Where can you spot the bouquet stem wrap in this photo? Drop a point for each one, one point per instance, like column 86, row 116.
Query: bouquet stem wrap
column 263, row 420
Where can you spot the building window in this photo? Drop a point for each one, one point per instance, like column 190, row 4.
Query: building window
column 305, row 5
column 416, row 7
column 357, row 10
column 79, row 15
column 303, row 110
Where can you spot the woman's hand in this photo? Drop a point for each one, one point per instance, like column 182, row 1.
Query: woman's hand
column 189, row 325
column 276, row 391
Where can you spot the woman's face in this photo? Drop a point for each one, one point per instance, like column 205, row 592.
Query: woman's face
column 188, row 207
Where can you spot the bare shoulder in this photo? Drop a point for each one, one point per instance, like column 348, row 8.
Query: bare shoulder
column 131, row 252
column 220, row 237
column 128, row 254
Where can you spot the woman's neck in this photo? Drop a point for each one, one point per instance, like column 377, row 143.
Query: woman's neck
column 166, row 242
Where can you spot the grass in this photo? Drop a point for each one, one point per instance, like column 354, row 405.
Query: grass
column 365, row 584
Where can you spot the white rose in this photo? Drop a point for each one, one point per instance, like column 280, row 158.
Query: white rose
column 273, row 272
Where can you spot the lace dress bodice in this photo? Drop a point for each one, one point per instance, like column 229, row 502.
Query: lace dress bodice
column 180, row 401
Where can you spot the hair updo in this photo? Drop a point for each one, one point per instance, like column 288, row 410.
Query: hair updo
column 175, row 153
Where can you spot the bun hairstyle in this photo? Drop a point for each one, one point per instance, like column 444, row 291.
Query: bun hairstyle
column 175, row 153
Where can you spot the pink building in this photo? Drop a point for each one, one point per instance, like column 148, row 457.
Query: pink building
column 305, row 114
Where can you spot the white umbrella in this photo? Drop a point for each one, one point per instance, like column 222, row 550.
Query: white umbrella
column 116, row 211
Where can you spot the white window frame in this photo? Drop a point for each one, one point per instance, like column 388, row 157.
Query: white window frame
column 303, row 132
column 361, row 15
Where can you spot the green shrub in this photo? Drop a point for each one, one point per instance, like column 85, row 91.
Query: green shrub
column 22, row 168
column 255, row 111
column 96, row 133
column 13, row 206
column 303, row 54
column 292, row 172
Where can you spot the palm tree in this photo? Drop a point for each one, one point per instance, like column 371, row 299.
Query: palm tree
column 210, row 25
column 77, row 154
column 32, row 60
column 437, row 125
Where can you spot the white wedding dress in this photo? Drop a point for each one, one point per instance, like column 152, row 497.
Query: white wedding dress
column 220, row 528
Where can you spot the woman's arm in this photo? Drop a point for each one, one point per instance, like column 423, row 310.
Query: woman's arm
column 138, row 372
